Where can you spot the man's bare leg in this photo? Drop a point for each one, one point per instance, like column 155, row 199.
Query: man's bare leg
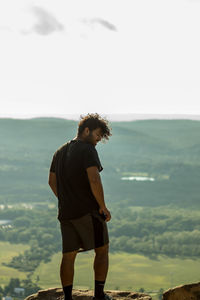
column 101, row 263
column 67, row 273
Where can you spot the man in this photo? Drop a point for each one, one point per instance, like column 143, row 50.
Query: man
column 75, row 180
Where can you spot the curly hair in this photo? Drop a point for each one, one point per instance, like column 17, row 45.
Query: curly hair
column 94, row 121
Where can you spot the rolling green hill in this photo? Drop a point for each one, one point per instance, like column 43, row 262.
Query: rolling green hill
column 166, row 150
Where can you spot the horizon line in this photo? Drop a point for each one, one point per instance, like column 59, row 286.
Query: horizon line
column 111, row 117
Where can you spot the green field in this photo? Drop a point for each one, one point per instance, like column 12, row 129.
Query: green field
column 7, row 251
column 126, row 272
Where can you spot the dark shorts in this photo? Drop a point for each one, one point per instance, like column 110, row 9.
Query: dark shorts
column 85, row 233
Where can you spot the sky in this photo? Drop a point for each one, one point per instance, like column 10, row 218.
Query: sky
column 60, row 57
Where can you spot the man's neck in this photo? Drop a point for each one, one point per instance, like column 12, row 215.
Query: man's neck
column 78, row 138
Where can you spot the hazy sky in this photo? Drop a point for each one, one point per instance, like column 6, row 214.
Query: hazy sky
column 106, row 56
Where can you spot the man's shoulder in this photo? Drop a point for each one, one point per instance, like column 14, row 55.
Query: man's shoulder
column 84, row 146
column 89, row 148
column 80, row 146
column 62, row 148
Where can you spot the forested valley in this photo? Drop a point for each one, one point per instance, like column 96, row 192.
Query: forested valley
column 151, row 181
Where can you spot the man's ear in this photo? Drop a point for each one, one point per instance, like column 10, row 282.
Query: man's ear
column 87, row 131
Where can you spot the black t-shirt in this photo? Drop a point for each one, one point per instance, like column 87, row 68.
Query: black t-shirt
column 70, row 161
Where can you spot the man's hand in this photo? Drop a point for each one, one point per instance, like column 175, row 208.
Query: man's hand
column 106, row 212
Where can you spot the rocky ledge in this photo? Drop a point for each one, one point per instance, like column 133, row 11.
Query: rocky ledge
column 57, row 294
column 183, row 292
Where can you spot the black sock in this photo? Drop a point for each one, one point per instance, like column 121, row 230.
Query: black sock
column 99, row 287
column 67, row 292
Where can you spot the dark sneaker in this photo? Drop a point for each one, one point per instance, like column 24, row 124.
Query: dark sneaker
column 106, row 297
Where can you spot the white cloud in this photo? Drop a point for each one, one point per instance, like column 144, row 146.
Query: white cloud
column 102, row 22
column 46, row 22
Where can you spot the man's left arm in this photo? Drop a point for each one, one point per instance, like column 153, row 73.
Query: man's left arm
column 97, row 190
column 53, row 183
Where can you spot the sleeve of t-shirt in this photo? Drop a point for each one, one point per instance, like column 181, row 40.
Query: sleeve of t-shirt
column 53, row 164
column 91, row 158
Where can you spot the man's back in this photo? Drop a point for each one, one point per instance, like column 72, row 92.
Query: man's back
column 69, row 163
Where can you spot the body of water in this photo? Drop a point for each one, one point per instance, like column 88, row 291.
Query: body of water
column 138, row 178
column 4, row 222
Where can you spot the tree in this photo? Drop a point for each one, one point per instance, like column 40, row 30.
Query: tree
column 160, row 294
column 14, row 282
column 30, row 287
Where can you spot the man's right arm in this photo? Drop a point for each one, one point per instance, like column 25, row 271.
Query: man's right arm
column 53, row 183
column 97, row 190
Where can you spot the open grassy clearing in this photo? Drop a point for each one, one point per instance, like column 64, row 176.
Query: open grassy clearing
column 126, row 272
column 7, row 251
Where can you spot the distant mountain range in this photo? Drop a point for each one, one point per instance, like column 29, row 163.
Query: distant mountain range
column 112, row 117
column 166, row 150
